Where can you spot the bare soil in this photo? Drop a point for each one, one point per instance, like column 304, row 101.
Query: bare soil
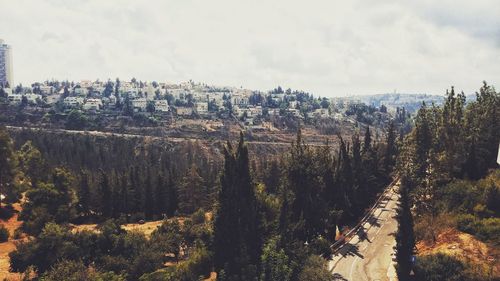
column 465, row 247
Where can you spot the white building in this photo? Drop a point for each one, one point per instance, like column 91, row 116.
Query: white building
column 73, row 101
column 140, row 104
column 32, row 98
column 161, row 105
column 81, row 91
column 6, row 74
column 201, row 107
column 184, row 111
column 46, row 90
column 92, row 104
column 321, row 113
column 15, row 98
column 239, row 99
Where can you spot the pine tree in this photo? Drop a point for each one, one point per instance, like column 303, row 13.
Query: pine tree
column 367, row 144
column 405, row 238
column 237, row 239
column 6, row 164
column 105, row 190
column 84, row 194
column 390, row 149
column 191, row 191
column 148, row 203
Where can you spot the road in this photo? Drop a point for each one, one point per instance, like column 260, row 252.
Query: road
column 367, row 256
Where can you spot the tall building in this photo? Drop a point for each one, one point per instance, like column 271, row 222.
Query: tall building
column 6, row 65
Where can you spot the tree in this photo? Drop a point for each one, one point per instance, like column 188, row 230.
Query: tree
column 367, row 144
column 237, row 221
column 84, row 198
column 150, row 107
column 275, row 263
column 7, row 164
column 405, row 239
column 106, row 204
column 315, row 270
column 76, row 120
column 191, row 191
column 52, row 201
column 148, row 203
column 390, row 149
column 32, row 163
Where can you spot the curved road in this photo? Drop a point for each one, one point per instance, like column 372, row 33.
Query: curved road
column 367, row 256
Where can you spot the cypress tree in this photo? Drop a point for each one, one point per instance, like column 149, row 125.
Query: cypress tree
column 368, row 140
column 84, row 194
column 148, row 203
column 106, row 204
column 390, row 150
column 237, row 239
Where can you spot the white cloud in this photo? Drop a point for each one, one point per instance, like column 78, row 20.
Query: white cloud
column 326, row 47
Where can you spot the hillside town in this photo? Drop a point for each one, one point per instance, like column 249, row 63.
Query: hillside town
column 188, row 100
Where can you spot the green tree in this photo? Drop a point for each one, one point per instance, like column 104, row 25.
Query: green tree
column 106, row 204
column 7, row 165
column 191, row 191
column 32, row 163
column 237, row 222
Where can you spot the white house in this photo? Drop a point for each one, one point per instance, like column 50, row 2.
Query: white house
column 81, row 91
column 15, row 98
column 92, row 104
column 321, row 113
column 139, row 104
column 32, row 98
column 184, row 111
column 73, row 101
column 201, row 107
column 161, row 105
column 47, row 90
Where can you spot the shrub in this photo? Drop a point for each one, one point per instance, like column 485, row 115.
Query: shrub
column 440, row 267
column 4, row 234
column 315, row 269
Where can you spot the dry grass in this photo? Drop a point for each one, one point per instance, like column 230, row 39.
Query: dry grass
column 464, row 246
column 147, row 228
column 5, row 248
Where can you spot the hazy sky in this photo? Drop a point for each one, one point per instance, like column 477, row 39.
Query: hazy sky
column 329, row 48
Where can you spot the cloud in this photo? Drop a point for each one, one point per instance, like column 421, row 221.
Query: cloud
column 326, row 47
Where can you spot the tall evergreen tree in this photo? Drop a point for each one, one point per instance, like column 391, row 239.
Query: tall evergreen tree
column 390, row 149
column 105, row 192
column 84, row 195
column 237, row 239
column 367, row 144
column 6, row 164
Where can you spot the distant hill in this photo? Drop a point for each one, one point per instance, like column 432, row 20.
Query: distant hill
column 411, row 102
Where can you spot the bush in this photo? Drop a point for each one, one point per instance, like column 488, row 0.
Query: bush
column 315, row 269
column 440, row 267
column 77, row 271
column 321, row 246
column 4, row 234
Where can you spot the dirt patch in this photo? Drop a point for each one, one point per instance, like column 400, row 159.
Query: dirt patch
column 147, row 228
column 463, row 246
column 7, row 247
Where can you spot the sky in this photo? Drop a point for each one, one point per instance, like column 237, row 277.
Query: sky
column 329, row 47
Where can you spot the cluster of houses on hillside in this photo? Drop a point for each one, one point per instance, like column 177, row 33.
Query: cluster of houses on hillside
column 184, row 99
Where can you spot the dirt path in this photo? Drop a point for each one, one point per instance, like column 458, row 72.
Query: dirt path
column 5, row 248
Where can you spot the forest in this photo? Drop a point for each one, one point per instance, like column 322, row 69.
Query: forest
column 273, row 218
column 450, row 180
column 268, row 217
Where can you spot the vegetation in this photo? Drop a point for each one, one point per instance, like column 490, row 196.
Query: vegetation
column 445, row 162
column 253, row 220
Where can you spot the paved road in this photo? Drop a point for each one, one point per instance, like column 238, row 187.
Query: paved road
column 367, row 256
